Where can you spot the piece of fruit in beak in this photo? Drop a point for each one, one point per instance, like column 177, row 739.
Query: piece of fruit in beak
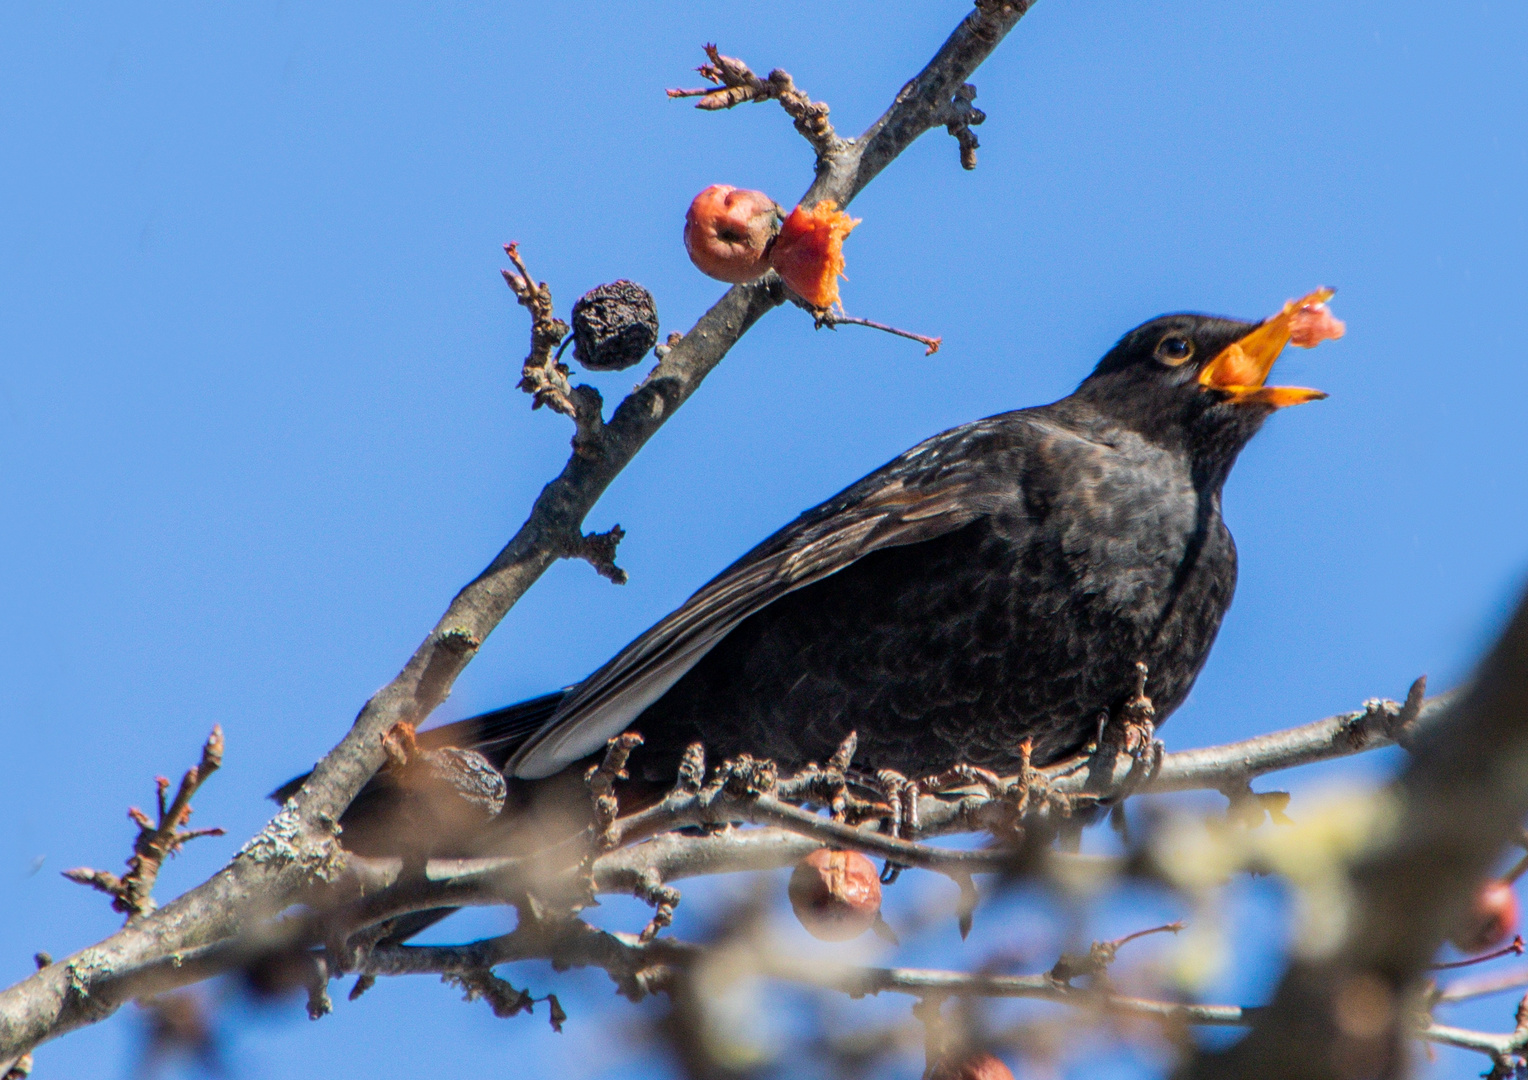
column 1241, row 368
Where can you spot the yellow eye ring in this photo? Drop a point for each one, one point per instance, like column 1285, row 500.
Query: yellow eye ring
column 1174, row 349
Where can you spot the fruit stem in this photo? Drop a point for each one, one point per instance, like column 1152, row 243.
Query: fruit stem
column 1515, row 949
column 832, row 319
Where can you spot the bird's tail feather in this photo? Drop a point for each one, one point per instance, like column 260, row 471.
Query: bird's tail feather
column 496, row 735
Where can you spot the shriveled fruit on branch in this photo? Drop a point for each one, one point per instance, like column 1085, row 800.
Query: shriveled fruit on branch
column 1490, row 921
column 836, row 894
column 809, row 252
column 614, row 325
column 974, row 1067
column 727, row 232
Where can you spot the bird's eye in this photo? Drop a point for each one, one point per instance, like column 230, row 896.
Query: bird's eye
column 1174, row 349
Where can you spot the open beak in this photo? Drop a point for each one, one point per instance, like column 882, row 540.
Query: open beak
column 1241, row 368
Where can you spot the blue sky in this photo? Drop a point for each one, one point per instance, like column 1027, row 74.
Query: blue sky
column 257, row 408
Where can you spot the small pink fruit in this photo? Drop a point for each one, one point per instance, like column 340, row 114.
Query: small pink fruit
column 836, row 894
column 976, row 1067
column 728, row 231
column 1491, row 920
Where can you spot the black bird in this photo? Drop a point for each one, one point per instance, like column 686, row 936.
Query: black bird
column 996, row 583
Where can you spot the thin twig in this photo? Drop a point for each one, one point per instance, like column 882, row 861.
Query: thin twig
column 542, row 376
column 736, row 83
column 831, row 319
column 1515, row 949
column 961, row 116
column 1484, row 985
column 132, row 893
column 598, row 550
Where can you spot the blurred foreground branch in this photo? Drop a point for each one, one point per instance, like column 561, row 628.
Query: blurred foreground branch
column 1347, row 1010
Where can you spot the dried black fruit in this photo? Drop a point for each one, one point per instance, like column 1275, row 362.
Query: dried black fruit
column 614, row 325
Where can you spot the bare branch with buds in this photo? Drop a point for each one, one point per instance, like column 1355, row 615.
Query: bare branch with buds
column 158, row 838
column 735, row 83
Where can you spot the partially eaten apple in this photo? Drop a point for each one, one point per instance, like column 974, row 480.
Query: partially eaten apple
column 809, row 252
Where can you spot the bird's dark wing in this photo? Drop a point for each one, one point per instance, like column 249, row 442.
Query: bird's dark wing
column 936, row 487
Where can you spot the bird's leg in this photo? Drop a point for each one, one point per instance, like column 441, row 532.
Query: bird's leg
column 1021, row 793
column 837, row 775
column 1138, row 719
column 960, row 776
column 901, row 795
column 1029, row 791
column 1133, row 731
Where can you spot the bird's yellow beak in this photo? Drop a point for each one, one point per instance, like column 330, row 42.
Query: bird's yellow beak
column 1241, row 368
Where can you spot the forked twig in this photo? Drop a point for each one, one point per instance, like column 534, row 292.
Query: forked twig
column 132, row 892
column 735, row 83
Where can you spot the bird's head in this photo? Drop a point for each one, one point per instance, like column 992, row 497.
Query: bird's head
column 1200, row 382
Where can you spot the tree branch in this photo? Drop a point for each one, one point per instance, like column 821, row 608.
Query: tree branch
column 1483, row 985
column 641, row 854
column 922, row 104
column 639, row 968
column 298, row 847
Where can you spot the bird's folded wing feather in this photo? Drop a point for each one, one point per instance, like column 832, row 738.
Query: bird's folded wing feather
column 936, row 487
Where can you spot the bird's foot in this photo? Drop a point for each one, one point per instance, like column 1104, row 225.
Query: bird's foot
column 962, row 776
column 1029, row 792
column 1132, row 731
column 825, row 784
column 901, row 795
